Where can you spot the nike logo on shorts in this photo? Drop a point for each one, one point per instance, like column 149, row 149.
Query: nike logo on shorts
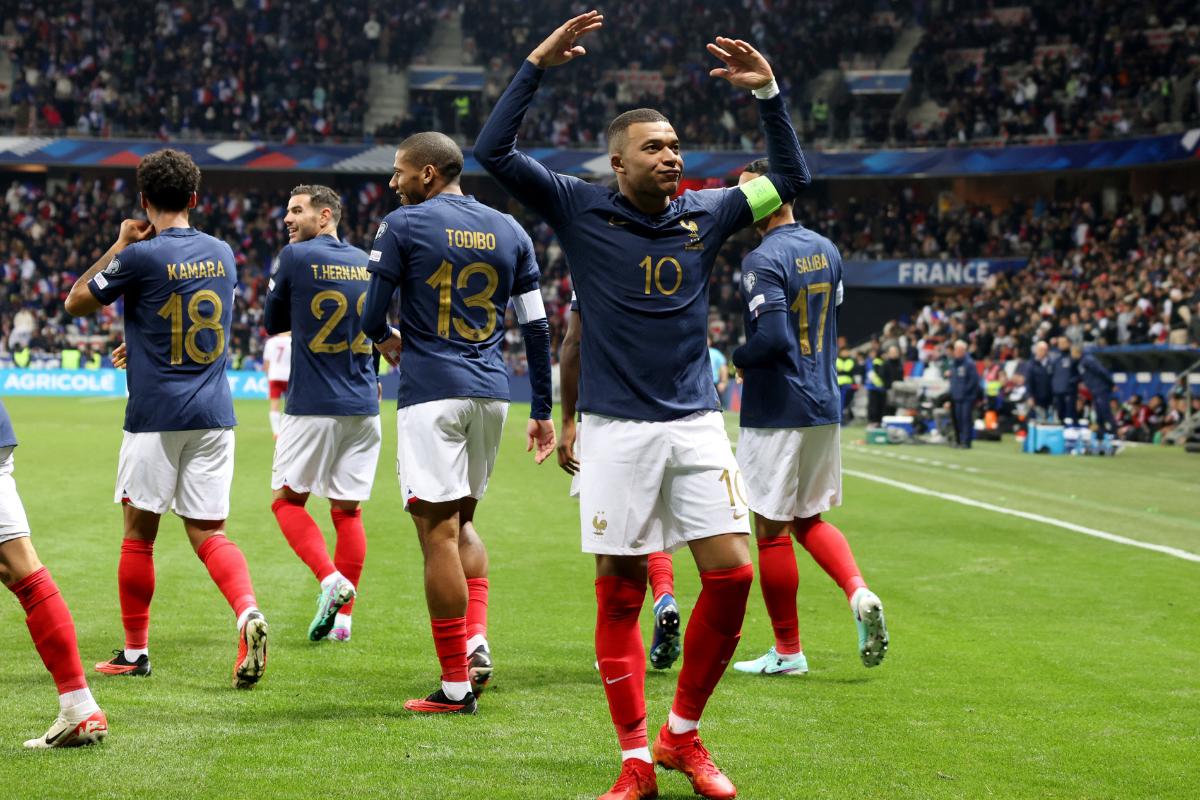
column 736, row 515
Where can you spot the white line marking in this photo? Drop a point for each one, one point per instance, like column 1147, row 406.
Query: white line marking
column 1012, row 512
column 930, row 462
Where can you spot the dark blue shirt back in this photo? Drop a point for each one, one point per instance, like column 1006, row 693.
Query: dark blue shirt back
column 178, row 290
column 317, row 290
column 798, row 272
column 457, row 263
column 1063, row 376
column 8, row 436
column 964, row 379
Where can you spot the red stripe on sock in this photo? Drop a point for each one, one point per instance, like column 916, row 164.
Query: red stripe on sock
column 713, row 631
column 450, row 641
column 53, row 630
column 622, row 656
column 831, row 551
column 662, row 575
column 135, row 585
column 227, row 566
column 477, row 607
column 304, row 535
column 350, row 552
column 779, row 579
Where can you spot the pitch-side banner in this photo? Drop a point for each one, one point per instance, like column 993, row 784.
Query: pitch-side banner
column 106, row 383
column 920, row 273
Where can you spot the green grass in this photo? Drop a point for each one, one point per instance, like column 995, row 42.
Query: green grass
column 1026, row 661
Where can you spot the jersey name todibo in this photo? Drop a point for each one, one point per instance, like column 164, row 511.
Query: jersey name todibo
column 317, row 291
column 178, row 290
column 798, row 272
column 456, row 262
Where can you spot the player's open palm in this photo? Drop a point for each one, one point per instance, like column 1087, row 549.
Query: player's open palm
column 561, row 46
column 744, row 66
column 540, row 439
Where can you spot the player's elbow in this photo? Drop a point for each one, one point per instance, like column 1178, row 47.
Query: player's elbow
column 80, row 302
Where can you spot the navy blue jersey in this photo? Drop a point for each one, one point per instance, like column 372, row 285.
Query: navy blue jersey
column 317, row 291
column 178, row 290
column 642, row 279
column 798, row 272
column 456, row 262
column 8, row 436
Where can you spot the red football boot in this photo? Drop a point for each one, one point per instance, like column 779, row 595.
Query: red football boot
column 636, row 781
column 686, row 753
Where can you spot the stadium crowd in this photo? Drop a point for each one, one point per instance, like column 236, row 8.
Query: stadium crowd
column 204, row 68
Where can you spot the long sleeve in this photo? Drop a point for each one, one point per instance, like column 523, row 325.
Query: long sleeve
column 789, row 171
column 768, row 342
column 537, row 351
column 374, row 315
column 525, row 178
column 277, row 308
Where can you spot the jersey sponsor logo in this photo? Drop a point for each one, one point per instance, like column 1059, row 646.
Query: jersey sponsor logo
column 381, row 230
column 599, row 523
column 749, row 280
column 113, row 267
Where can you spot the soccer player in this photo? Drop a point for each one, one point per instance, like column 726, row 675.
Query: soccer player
column 329, row 438
column 80, row 721
column 789, row 447
column 666, row 645
column 457, row 264
column 657, row 471
column 277, row 361
column 177, row 450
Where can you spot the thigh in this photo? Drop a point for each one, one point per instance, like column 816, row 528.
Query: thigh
column 485, row 428
column 205, row 475
column 13, row 522
column 431, row 451
column 620, row 481
column 703, row 493
column 351, row 474
column 818, row 470
column 304, row 454
column 768, row 459
column 148, row 469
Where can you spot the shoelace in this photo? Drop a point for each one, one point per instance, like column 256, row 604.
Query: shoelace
column 629, row 778
column 702, row 756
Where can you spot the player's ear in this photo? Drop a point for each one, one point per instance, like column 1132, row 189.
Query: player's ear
column 142, row 201
column 428, row 173
column 192, row 200
column 614, row 160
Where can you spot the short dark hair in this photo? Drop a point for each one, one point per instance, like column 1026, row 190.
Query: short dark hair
column 759, row 166
column 619, row 126
column 321, row 197
column 434, row 149
column 167, row 179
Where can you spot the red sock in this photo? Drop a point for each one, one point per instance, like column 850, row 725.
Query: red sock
column 477, row 605
column 662, row 575
column 712, row 635
column 135, row 584
column 779, row 579
column 622, row 656
column 351, row 549
column 450, row 641
column 829, row 548
column 52, row 629
column 304, row 536
column 228, row 569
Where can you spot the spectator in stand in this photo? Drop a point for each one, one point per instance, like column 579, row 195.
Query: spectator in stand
column 1099, row 383
column 1194, row 326
column 876, row 388
column 964, row 395
column 892, row 371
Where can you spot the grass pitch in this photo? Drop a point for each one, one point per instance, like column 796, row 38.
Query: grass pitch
column 1026, row 660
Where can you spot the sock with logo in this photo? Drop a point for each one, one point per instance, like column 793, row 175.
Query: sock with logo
column 622, row 656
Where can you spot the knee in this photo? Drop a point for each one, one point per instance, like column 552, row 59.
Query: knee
column 804, row 526
column 620, row 599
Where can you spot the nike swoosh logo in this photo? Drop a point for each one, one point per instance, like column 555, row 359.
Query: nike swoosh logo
column 617, row 222
column 611, row 681
column 739, row 516
column 52, row 739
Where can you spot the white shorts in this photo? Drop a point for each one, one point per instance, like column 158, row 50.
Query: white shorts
column 791, row 473
column 446, row 449
column 13, row 522
column 332, row 457
column 651, row 486
column 188, row 472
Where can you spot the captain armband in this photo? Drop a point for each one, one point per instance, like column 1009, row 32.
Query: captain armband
column 762, row 196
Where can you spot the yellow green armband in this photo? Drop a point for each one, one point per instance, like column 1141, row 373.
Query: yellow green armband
column 762, row 196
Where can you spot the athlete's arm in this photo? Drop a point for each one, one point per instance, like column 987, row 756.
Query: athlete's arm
column 568, row 385
column 277, row 310
column 82, row 300
column 385, row 264
column 768, row 342
column 526, row 179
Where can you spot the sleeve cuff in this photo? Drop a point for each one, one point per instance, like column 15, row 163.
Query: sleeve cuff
column 768, row 91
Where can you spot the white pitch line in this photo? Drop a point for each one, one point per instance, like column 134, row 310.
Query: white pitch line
column 1012, row 512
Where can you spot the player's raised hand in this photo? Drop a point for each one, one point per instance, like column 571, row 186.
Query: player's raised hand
column 119, row 356
column 744, row 66
column 539, row 433
column 566, row 448
column 390, row 347
column 560, row 46
column 135, row 230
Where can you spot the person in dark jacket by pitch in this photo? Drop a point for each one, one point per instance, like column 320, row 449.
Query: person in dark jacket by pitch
column 964, row 393
column 1099, row 383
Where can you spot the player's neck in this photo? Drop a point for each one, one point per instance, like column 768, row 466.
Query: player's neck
column 161, row 220
column 330, row 230
column 646, row 203
column 450, row 188
column 778, row 220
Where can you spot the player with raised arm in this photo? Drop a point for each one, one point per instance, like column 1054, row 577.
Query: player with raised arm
column 277, row 363
column 666, row 645
column 329, row 437
column 789, row 447
column 457, row 263
column 80, row 721
column 177, row 450
column 657, row 471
